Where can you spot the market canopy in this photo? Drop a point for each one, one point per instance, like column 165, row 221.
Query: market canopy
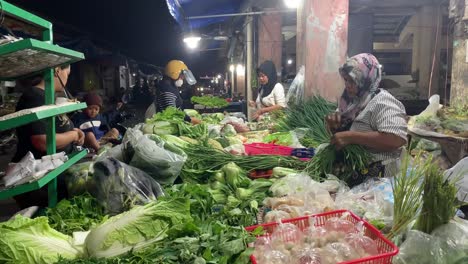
column 181, row 10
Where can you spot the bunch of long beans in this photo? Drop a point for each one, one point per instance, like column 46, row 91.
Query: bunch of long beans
column 202, row 159
column 311, row 114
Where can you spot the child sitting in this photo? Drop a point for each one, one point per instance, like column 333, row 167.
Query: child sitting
column 95, row 125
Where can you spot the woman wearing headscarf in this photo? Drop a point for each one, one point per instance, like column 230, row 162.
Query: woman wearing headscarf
column 369, row 116
column 271, row 92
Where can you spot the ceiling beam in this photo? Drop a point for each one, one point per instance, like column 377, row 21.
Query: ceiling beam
column 393, row 3
column 384, row 38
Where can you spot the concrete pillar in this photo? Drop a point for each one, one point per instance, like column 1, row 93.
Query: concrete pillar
column 322, row 45
column 459, row 84
column 360, row 36
column 270, row 39
column 249, row 61
column 425, row 26
column 429, row 59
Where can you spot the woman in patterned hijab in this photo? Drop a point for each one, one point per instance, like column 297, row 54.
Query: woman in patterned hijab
column 367, row 115
column 362, row 74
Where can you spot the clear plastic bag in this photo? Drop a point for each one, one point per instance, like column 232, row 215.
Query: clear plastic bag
column 293, row 211
column 340, row 225
column 276, row 216
column 286, row 237
column 276, row 257
column 295, row 93
column 363, row 245
column 372, row 199
column 152, row 156
column 79, row 179
column 341, row 251
column 275, row 202
column 308, row 255
column 115, row 152
column 418, row 249
column 120, row 186
column 291, row 184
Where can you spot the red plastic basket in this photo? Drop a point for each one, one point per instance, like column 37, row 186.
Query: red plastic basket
column 387, row 250
column 267, row 149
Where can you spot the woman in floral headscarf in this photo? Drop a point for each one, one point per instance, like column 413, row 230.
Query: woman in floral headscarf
column 369, row 116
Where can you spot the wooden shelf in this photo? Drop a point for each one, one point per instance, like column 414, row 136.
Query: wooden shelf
column 28, row 187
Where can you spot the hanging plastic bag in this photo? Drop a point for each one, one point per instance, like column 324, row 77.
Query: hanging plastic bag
column 296, row 90
column 120, row 186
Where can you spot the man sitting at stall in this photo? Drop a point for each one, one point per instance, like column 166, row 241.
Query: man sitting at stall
column 96, row 125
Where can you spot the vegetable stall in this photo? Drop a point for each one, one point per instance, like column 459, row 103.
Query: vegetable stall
column 219, row 192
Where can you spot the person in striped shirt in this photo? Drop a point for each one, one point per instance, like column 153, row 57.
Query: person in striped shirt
column 167, row 91
column 369, row 116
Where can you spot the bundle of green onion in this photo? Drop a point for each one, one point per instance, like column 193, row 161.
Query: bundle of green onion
column 407, row 194
column 204, row 159
column 311, row 115
column 439, row 200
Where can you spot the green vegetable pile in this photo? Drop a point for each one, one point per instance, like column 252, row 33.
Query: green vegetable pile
column 279, row 138
column 25, row 240
column 210, row 101
column 203, row 160
column 79, row 213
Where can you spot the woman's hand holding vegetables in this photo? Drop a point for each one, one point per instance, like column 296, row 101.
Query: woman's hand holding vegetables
column 258, row 114
column 342, row 139
column 333, row 122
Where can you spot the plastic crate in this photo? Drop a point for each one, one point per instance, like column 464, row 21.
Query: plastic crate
column 267, row 149
column 387, row 250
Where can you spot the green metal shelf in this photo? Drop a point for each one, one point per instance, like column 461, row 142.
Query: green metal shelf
column 28, row 118
column 73, row 158
column 29, row 56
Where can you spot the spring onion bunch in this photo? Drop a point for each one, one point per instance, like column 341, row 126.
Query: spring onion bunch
column 407, row 193
column 311, row 115
column 204, row 159
column 439, row 200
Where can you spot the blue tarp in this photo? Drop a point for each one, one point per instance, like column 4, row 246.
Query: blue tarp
column 181, row 9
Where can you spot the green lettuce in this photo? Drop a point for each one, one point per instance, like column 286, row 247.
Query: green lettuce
column 137, row 228
column 25, row 240
column 169, row 114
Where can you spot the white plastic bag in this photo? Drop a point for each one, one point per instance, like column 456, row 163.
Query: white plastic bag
column 20, row 171
column 433, row 107
column 296, row 90
column 460, row 171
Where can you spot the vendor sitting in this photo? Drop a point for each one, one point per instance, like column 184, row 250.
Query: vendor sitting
column 94, row 125
column 369, row 116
